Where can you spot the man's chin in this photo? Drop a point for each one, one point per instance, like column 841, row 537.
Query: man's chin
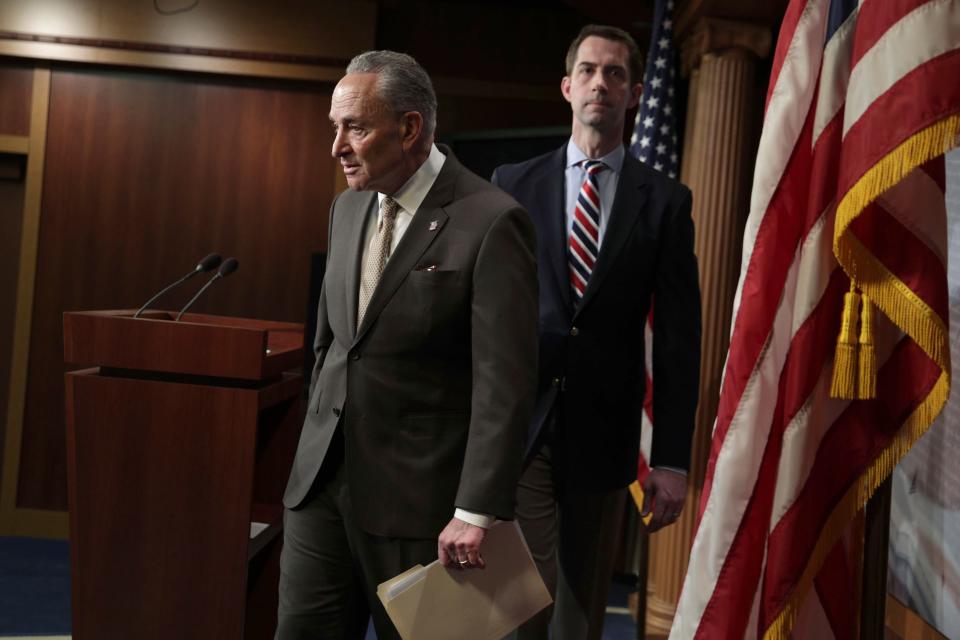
column 356, row 183
column 600, row 121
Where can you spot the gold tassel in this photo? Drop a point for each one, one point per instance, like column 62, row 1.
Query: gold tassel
column 844, row 383
column 637, row 492
column 867, row 371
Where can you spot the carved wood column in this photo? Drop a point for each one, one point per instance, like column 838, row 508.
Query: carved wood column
column 723, row 117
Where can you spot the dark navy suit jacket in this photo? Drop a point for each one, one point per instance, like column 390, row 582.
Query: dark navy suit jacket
column 592, row 357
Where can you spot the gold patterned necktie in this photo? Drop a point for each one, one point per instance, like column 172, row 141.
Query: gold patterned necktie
column 377, row 255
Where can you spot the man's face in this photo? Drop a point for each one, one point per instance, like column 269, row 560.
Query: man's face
column 598, row 88
column 368, row 138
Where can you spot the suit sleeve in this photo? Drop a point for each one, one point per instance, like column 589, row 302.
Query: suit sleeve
column 676, row 337
column 504, row 353
column 324, row 336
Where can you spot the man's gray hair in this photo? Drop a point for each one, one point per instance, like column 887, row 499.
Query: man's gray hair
column 402, row 85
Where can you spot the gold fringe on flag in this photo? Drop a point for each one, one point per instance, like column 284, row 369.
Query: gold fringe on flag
column 867, row 369
column 909, row 312
column 867, row 273
column 844, row 383
column 854, row 501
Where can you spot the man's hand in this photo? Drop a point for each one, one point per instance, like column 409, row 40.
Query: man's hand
column 664, row 491
column 459, row 545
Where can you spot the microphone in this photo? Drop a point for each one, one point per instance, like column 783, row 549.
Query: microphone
column 229, row 266
column 209, row 263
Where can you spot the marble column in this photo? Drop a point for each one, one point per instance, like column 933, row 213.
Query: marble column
column 723, row 118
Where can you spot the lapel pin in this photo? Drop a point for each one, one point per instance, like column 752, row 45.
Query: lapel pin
column 433, row 225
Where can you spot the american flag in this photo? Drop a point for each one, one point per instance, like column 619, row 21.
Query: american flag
column 654, row 142
column 654, row 139
column 848, row 195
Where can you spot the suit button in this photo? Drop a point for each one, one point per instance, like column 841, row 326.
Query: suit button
column 574, row 332
column 354, row 355
column 336, row 412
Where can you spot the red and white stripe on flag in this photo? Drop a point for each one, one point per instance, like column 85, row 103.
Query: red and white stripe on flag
column 646, row 420
column 848, row 186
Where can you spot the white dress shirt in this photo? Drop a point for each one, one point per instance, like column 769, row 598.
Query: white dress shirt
column 410, row 196
column 607, row 180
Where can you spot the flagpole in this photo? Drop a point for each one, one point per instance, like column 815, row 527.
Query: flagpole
column 643, row 547
column 876, row 536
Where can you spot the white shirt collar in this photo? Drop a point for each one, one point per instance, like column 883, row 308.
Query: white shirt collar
column 411, row 195
column 613, row 160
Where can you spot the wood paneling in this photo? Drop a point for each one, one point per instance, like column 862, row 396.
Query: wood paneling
column 162, row 490
column 330, row 29
column 16, row 85
column 459, row 114
column 523, row 43
column 766, row 13
column 40, row 49
column 44, row 523
column 503, row 42
column 290, row 39
column 11, row 219
column 144, row 175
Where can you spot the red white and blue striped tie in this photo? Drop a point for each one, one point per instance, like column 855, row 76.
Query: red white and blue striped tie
column 585, row 233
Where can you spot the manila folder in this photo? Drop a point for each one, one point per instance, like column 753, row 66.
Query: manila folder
column 433, row 602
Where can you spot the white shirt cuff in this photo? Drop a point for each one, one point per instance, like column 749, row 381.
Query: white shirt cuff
column 481, row 520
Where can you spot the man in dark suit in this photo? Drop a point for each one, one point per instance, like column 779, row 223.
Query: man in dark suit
column 426, row 362
column 612, row 234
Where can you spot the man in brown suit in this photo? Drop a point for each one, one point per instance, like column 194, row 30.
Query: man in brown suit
column 426, row 362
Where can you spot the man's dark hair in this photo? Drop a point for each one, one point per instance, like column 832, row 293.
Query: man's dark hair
column 634, row 57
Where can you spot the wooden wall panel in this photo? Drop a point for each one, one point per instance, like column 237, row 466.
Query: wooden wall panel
column 459, row 114
column 505, row 42
column 16, row 85
column 11, row 218
column 318, row 29
column 144, row 175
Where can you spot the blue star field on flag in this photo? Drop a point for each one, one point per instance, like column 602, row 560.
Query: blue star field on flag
column 654, row 139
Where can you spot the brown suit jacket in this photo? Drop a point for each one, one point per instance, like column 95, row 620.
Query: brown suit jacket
column 434, row 391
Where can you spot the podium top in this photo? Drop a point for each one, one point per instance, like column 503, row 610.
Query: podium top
column 200, row 345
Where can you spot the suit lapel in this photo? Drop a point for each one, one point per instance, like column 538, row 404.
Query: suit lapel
column 551, row 206
column 355, row 241
column 627, row 208
column 424, row 228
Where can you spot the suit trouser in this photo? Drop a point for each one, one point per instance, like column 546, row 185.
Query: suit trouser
column 330, row 568
column 572, row 536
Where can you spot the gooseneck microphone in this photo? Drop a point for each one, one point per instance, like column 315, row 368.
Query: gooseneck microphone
column 209, row 263
column 229, row 266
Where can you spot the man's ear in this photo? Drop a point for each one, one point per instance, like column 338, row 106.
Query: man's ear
column 411, row 128
column 565, row 87
column 635, row 92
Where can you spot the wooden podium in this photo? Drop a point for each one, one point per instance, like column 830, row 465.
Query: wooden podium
column 179, row 442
